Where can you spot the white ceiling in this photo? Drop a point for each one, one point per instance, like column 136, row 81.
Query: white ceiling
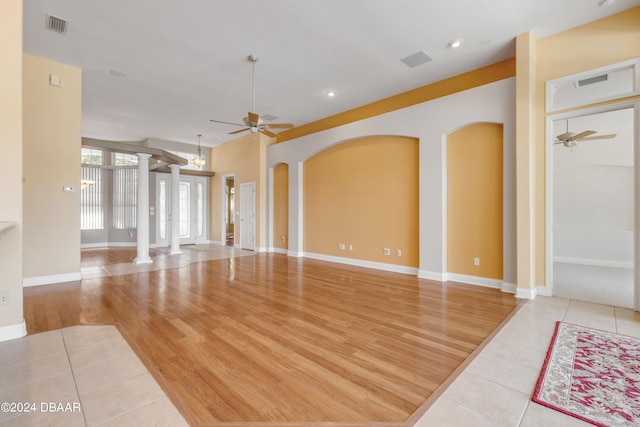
column 186, row 61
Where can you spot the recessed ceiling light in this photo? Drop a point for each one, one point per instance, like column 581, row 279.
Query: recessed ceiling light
column 456, row 43
column 331, row 94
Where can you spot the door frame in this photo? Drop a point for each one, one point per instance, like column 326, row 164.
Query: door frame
column 635, row 105
column 223, row 206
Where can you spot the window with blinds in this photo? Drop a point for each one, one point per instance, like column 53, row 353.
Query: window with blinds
column 125, row 198
column 91, row 190
column 91, row 198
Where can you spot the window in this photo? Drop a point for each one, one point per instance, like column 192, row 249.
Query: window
column 125, row 197
column 91, row 190
column 91, row 198
column 91, row 156
column 189, row 157
column 185, row 209
column 122, row 159
column 162, row 209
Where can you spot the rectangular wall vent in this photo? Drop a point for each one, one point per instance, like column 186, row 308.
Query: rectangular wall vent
column 56, row 24
column 592, row 80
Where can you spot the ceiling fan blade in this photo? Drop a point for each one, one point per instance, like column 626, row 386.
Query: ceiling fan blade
column 253, row 118
column 591, row 138
column 564, row 136
column 228, row 123
column 583, row 134
column 278, row 125
column 268, row 133
column 238, row 131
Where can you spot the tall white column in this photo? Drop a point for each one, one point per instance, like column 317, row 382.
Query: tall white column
column 175, row 210
column 143, row 210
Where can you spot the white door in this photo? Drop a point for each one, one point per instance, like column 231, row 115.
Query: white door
column 247, row 215
column 193, row 212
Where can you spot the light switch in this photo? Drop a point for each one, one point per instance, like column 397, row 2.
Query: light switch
column 54, row 80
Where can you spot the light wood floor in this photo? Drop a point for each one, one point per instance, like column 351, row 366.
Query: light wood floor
column 272, row 339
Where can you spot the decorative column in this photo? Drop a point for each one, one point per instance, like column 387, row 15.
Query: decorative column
column 175, row 210
column 143, row 210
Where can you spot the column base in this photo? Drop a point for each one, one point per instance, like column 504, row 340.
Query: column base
column 142, row 260
column 177, row 252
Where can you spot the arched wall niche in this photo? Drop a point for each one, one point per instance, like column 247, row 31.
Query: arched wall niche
column 430, row 123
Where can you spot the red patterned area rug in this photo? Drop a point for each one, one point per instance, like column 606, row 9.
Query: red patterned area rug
column 592, row 375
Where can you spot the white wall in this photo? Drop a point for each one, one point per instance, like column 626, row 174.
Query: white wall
column 430, row 122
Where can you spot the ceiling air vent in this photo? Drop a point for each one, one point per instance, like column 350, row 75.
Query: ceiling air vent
column 56, row 24
column 416, row 59
column 592, row 80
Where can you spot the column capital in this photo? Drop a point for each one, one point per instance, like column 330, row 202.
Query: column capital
column 143, row 156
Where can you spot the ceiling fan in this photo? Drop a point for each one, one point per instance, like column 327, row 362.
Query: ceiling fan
column 570, row 139
column 253, row 122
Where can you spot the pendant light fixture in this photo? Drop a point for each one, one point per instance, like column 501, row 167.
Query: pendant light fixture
column 199, row 160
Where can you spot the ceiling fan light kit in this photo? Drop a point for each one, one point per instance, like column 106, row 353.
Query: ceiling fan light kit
column 253, row 122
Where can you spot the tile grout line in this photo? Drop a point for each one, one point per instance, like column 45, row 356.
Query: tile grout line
column 164, row 396
column 64, row 342
column 471, row 409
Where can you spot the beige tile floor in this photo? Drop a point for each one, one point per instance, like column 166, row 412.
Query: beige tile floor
column 79, row 376
column 496, row 387
column 93, row 367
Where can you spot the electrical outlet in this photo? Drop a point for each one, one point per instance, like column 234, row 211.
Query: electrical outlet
column 350, row 247
column 4, row 298
column 398, row 252
column 476, row 261
column 341, row 246
column 386, row 251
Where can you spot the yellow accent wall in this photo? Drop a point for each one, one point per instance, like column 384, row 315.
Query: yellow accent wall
column 363, row 193
column 52, row 139
column 597, row 44
column 474, row 200
column 245, row 158
column 11, row 160
column 281, row 206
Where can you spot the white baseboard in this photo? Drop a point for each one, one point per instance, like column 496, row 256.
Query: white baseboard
column 110, row 245
column 527, row 293
column 296, row 254
column 279, row 251
column 362, row 263
column 48, row 280
column 594, row 262
column 509, row 287
column 542, row 291
column 474, row 280
column 432, row 275
column 11, row 332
